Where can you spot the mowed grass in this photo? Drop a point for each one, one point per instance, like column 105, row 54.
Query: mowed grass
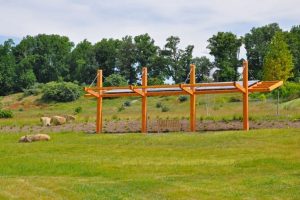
column 260, row 164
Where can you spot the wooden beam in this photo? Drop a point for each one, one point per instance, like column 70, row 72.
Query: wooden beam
column 276, row 85
column 99, row 104
column 192, row 99
column 93, row 93
column 245, row 97
column 189, row 91
column 144, row 100
column 239, row 87
column 141, row 93
column 217, row 91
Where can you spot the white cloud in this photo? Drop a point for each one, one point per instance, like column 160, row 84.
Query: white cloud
column 193, row 21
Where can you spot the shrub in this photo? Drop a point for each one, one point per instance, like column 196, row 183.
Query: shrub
column 35, row 90
column 158, row 105
column 182, row 98
column 61, row 91
column 235, row 99
column 115, row 80
column 165, row 109
column 78, row 110
column 121, row 108
column 127, row 103
column 6, row 114
column 289, row 91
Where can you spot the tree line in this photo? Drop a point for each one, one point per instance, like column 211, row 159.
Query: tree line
column 272, row 54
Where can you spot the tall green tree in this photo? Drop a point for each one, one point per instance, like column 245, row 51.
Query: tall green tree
column 83, row 65
column 256, row 44
column 25, row 76
column 126, row 59
column 106, row 55
column 158, row 68
column 278, row 62
column 178, row 59
column 145, row 50
column 203, row 68
column 49, row 53
column 293, row 40
column 7, row 68
column 224, row 46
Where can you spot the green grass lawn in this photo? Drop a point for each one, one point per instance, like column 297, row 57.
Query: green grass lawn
column 260, row 164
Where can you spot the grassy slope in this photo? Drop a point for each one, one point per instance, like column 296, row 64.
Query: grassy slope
column 261, row 164
column 216, row 107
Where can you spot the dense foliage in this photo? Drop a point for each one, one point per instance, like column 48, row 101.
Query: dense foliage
column 45, row 58
column 115, row 80
column 6, row 114
column 288, row 91
column 61, row 91
column 278, row 62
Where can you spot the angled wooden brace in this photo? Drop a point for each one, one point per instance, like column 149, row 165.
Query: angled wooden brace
column 137, row 91
column 91, row 92
column 239, row 87
column 189, row 91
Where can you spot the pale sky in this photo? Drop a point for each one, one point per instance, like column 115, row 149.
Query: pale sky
column 194, row 21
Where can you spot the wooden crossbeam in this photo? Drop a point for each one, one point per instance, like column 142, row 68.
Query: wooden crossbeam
column 187, row 90
column 239, row 87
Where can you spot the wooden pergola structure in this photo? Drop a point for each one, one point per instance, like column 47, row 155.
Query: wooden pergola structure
column 192, row 89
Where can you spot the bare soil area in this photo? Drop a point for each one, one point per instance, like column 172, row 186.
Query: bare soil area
column 154, row 126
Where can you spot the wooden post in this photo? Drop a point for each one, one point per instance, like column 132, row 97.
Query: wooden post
column 144, row 100
column 99, row 104
column 245, row 97
column 192, row 100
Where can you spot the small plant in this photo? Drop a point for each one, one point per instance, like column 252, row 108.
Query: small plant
column 236, row 118
column 114, row 117
column 127, row 103
column 6, row 114
column 158, row 105
column 182, row 99
column 121, row 108
column 78, row 110
column 21, row 109
column 86, row 119
column 165, row 109
column 235, row 99
column 225, row 119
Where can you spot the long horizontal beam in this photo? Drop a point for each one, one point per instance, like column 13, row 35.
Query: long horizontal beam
column 164, row 86
column 185, row 89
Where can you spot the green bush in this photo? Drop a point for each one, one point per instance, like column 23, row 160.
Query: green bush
column 6, row 114
column 182, row 98
column 61, row 91
column 35, row 90
column 235, row 99
column 127, row 103
column 115, row 80
column 165, row 109
column 78, row 110
column 289, row 91
column 158, row 105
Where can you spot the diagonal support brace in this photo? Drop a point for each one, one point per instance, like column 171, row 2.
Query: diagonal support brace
column 137, row 91
column 189, row 91
column 239, row 87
